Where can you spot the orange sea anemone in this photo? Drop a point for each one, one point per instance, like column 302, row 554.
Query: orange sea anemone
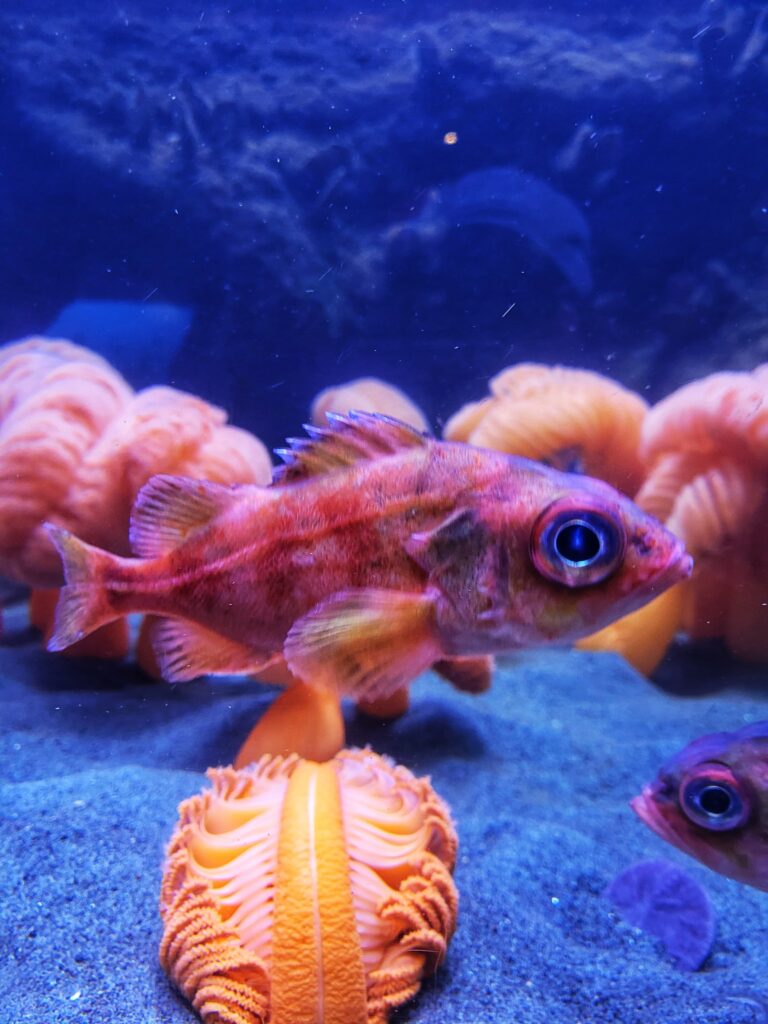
column 707, row 450
column 297, row 892
column 76, row 445
column 368, row 394
column 56, row 400
column 572, row 419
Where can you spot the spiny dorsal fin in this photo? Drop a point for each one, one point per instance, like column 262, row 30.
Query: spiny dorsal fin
column 169, row 508
column 356, row 437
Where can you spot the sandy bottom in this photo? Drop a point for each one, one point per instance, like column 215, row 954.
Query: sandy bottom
column 538, row 772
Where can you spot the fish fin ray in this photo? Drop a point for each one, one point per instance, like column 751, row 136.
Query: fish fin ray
column 472, row 675
column 356, row 437
column 186, row 650
column 83, row 603
column 170, row 508
column 364, row 643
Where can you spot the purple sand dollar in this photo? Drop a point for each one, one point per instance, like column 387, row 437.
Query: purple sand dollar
column 663, row 900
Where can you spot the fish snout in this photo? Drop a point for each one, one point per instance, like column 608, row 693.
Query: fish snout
column 678, row 565
column 646, row 809
column 662, row 559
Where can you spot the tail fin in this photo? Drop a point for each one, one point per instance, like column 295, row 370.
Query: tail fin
column 84, row 603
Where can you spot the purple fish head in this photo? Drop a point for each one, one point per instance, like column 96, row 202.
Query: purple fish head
column 587, row 555
column 711, row 801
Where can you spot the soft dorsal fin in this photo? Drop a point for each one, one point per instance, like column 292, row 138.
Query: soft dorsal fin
column 169, row 508
column 356, row 437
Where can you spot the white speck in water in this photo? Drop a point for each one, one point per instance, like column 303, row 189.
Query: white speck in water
column 554, row 900
column 75, row 995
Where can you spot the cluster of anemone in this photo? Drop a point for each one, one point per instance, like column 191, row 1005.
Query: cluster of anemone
column 246, row 939
column 76, row 446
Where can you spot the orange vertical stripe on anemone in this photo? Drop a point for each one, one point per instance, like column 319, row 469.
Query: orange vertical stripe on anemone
column 305, row 893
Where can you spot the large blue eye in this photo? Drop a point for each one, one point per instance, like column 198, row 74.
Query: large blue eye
column 578, row 541
column 713, row 798
column 576, row 546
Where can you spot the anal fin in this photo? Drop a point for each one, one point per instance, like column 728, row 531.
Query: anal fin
column 364, row 643
column 186, row 650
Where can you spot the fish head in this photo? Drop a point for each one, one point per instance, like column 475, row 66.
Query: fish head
column 711, row 801
column 580, row 556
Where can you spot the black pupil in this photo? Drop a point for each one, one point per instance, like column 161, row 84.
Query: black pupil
column 577, row 542
column 715, row 800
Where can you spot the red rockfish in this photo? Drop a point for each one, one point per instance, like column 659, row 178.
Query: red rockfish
column 376, row 553
column 711, row 801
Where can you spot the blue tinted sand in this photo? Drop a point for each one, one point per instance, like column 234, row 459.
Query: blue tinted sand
column 663, row 900
column 94, row 761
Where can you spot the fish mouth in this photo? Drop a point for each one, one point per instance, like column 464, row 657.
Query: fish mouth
column 677, row 567
column 647, row 810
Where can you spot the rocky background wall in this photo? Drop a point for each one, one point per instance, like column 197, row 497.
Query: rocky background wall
column 270, row 169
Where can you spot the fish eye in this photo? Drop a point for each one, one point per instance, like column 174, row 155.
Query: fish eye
column 576, row 546
column 713, row 798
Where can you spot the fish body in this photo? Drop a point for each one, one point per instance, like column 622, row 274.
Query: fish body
column 711, row 801
column 376, row 553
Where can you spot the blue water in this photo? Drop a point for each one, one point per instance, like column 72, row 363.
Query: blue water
column 274, row 169
column 255, row 201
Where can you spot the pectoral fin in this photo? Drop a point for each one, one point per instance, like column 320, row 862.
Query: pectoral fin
column 472, row 675
column 364, row 643
column 185, row 650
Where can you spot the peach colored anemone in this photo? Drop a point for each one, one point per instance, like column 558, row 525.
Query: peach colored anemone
column 56, row 400
column 76, row 446
column 707, row 449
column 562, row 416
column 368, row 394
column 305, row 893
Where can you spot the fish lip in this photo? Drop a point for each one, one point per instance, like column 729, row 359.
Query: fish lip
column 677, row 568
column 647, row 810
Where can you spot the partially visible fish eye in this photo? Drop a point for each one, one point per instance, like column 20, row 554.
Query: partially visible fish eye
column 713, row 798
column 576, row 546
